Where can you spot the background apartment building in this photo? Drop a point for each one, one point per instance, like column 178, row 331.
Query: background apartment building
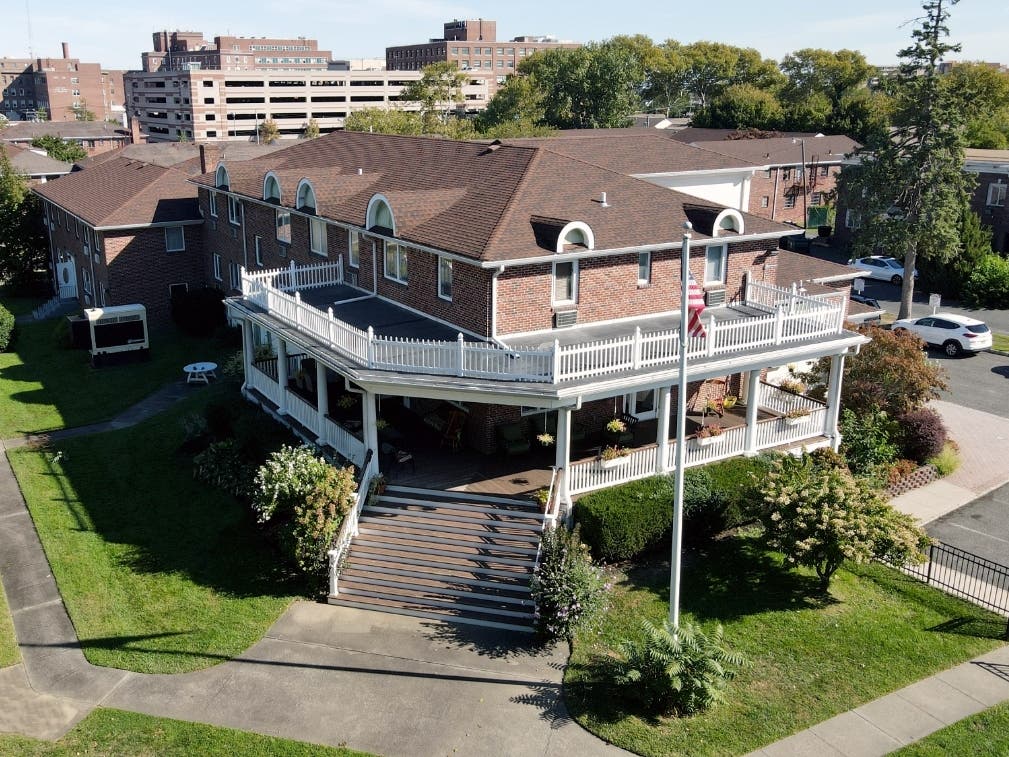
column 473, row 45
column 186, row 51
column 64, row 88
column 223, row 105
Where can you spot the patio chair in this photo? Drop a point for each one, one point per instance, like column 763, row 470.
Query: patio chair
column 513, row 439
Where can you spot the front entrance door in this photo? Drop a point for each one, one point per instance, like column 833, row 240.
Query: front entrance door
column 642, row 405
column 66, row 276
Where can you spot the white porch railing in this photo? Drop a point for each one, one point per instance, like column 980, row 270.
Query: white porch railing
column 264, row 385
column 303, row 412
column 589, row 475
column 779, row 401
column 344, row 442
column 68, row 291
column 789, row 317
column 349, row 527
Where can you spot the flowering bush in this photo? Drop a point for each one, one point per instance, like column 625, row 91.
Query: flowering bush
column 567, row 588
column 285, row 480
column 819, row 517
column 683, row 672
column 222, row 465
column 798, row 412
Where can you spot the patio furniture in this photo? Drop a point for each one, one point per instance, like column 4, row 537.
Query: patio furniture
column 200, row 373
column 512, row 437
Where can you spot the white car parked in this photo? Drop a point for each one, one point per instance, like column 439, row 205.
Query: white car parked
column 881, row 267
column 954, row 333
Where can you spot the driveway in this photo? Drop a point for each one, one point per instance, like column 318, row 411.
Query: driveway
column 978, row 381
column 980, row 527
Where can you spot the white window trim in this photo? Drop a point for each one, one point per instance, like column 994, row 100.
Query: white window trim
column 217, row 267
column 354, row 249
column 553, row 284
column 442, row 261
column 851, row 220
column 234, row 275
column 401, row 255
column 182, row 231
column 234, row 211
column 723, row 265
column 276, row 222
column 647, row 256
column 213, row 204
column 317, row 225
column 996, row 195
column 258, row 245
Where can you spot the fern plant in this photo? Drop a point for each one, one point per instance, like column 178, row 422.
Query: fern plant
column 683, row 671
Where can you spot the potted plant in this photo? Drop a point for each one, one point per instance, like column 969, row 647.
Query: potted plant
column 616, row 426
column 792, row 386
column 796, row 416
column 547, row 440
column 709, row 434
column 378, row 484
column 543, row 497
column 612, row 456
column 729, row 401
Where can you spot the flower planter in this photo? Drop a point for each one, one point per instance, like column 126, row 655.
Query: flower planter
column 705, row 441
column 796, row 421
column 614, row 462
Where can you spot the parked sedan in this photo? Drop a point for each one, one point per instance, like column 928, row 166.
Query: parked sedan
column 880, row 267
column 954, row 333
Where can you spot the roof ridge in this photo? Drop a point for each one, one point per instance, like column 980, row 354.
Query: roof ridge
column 509, row 207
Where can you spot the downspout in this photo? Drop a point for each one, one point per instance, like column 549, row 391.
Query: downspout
column 774, row 194
column 52, row 250
column 493, row 307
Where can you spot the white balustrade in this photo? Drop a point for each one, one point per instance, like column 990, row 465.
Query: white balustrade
column 344, row 442
column 303, row 412
column 777, row 400
column 265, row 385
column 595, row 474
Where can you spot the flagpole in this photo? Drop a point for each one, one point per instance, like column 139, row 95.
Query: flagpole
column 681, row 433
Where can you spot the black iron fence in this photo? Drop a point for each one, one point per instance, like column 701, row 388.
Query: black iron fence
column 964, row 574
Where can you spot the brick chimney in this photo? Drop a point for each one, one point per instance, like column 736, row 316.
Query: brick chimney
column 66, row 51
column 210, row 156
column 136, row 136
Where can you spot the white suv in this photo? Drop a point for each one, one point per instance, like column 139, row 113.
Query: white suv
column 954, row 333
column 882, row 268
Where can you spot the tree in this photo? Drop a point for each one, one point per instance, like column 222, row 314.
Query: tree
column 41, row 114
column 862, row 114
column 268, row 131
column 741, row 106
column 438, row 91
column 950, row 277
column 60, row 149
column 713, row 66
column 811, row 113
column 820, row 516
column 908, row 188
column 382, row 121
column 311, row 130
column 22, row 240
column 985, row 93
column 81, row 112
column 812, row 71
column 891, row 373
column 665, row 80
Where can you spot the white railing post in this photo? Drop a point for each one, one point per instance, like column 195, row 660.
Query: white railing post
column 779, row 322
column 293, row 276
column 562, row 457
column 752, row 404
column 371, row 347
column 662, row 440
column 461, row 342
column 297, row 308
column 322, row 401
column 556, row 360
column 282, row 375
column 339, row 269
column 835, row 377
column 331, row 324
column 711, row 337
column 636, row 354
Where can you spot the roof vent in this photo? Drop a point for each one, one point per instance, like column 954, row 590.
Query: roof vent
column 602, row 201
column 360, row 171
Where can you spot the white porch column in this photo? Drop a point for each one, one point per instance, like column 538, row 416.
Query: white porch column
column 322, row 400
column 662, row 435
column 248, row 351
column 370, row 419
column 752, row 403
column 834, row 400
column 282, row 374
column 563, row 452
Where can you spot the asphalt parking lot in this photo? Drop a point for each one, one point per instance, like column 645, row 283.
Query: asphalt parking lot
column 980, row 527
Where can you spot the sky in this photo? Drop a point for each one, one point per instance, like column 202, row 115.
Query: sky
column 115, row 32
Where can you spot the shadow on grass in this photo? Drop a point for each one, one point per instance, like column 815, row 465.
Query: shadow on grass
column 591, row 691
column 980, row 627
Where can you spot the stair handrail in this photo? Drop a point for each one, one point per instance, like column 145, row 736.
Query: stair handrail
column 349, row 527
column 551, row 511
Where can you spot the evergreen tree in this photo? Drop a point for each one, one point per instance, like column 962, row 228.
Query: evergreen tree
column 908, row 187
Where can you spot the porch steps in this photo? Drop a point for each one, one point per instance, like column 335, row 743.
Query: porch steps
column 444, row 555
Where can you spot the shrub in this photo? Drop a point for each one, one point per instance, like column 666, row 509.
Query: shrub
column 683, row 671
column 988, row 285
column 820, row 518
column 899, row 470
column 567, row 588
column 317, row 519
column 735, row 485
column 285, row 480
column 825, row 458
column 923, row 434
column 868, row 440
column 623, row 521
column 703, row 508
column 199, row 312
column 221, row 415
column 221, row 464
column 6, row 328
column 947, row 461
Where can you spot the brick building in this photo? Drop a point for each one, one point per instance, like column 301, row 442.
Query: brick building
column 96, row 137
column 34, row 164
column 208, row 105
column 189, row 51
column 63, row 88
column 473, row 45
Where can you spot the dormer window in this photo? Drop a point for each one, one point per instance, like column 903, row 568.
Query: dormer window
column 222, row 180
column 728, row 220
column 380, row 214
column 576, row 234
column 271, row 189
column 306, row 197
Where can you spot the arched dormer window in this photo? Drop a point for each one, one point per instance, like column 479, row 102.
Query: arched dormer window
column 380, row 214
column 306, row 197
column 728, row 220
column 576, row 233
column 222, row 180
column 271, row 189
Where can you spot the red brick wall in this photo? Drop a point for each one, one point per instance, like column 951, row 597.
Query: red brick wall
column 997, row 218
column 776, row 188
column 608, row 287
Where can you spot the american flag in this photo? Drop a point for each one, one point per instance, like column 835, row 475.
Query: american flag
column 695, row 306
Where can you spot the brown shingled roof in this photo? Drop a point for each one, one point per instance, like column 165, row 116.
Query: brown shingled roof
column 465, row 198
column 795, row 267
column 783, row 150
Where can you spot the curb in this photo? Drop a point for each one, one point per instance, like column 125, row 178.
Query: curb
column 1003, row 353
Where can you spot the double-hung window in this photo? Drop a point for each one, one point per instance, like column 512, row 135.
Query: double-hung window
column 175, row 239
column 234, row 276
column 566, row 282
column 996, row 195
column 217, row 267
column 714, row 264
column 445, row 278
column 234, row 210
column 317, row 235
column 396, row 262
column 258, row 244
column 284, row 226
column 354, row 247
column 644, row 268
column 213, row 204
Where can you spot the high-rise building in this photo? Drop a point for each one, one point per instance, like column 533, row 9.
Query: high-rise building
column 60, row 89
column 189, row 51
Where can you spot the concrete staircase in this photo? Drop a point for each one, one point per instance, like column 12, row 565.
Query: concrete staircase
column 444, row 555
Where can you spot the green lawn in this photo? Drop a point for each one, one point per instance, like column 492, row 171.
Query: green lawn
column 159, row 572
column 8, row 642
column 43, row 387
column 114, row 732
column 811, row 658
column 983, row 735
column 1000, row 342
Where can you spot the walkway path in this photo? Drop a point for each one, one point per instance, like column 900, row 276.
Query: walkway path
column 384, row 683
